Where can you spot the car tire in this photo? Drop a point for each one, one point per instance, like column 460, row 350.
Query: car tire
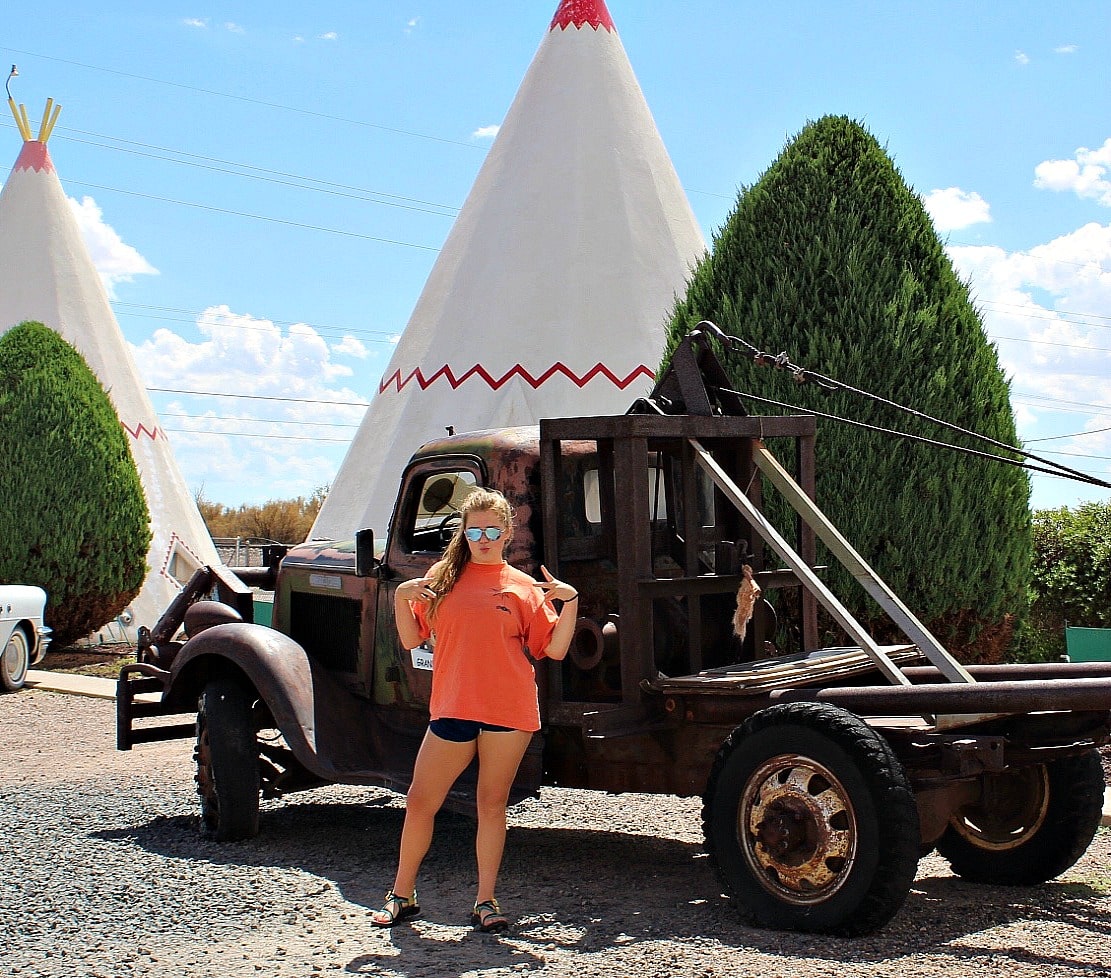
column 227, row 757
column 15, row 660
column 811, row 821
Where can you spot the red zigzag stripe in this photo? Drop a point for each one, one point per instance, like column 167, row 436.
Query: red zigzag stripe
column 445, row 372
column 141, row 429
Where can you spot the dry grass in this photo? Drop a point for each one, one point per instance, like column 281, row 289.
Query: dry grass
column 103, row 661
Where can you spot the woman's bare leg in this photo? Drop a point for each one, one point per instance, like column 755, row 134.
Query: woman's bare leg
column 439, row 763
column 499, row 756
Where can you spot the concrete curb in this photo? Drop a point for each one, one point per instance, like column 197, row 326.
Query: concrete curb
column 74, row 685
column 64, row 682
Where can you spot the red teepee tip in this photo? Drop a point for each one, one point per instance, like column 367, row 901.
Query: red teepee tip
column 579, row 12
column 33, row 156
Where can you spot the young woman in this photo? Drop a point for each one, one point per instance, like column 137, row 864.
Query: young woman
column 482, row 614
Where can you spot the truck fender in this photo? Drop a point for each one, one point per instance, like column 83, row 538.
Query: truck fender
column 275, row 665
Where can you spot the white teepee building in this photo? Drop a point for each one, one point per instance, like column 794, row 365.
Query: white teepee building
column 551, row 293
column 47, row 275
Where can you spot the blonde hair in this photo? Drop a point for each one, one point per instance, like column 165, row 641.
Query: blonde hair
column 457, row 554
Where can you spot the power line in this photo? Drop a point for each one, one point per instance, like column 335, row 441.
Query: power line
column 1075, row 434
column 1086, row 405
column 1058, row 315
column 247, row 434
column 449, row 210
column 257, row 217
column 1067, row 346
column 236, row 169
column 259, row 397
column 380, row 335
column 806, row 376
column 282, row 421
column 1094, row 458
column 246, row 99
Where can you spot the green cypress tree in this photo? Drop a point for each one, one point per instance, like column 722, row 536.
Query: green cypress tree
column 830, row 257
column 73, row 518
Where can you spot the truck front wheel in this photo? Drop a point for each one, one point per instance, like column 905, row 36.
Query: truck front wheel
column 811, row 821
column 227, row 759
column 1028, row 825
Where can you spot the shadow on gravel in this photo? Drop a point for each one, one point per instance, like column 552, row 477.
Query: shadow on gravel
column 584, row 891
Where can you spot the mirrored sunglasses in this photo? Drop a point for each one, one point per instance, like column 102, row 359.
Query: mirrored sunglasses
column 476, row 533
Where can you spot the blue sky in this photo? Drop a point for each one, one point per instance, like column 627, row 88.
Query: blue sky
column 265, row 186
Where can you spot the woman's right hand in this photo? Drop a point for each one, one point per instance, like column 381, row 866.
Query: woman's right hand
column 417, row 589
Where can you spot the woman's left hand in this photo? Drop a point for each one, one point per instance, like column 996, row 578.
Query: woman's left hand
column 555, row 589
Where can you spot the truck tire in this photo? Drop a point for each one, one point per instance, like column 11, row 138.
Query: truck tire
column 811, row 821
column 227, row 757
column 15, row 660
column 1029, row 825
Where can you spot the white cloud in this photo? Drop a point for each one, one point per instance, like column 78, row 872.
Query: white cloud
column 351, row 347
column 412, row 24
column 329, row 36
column 195, row 22
column 1066, row 49
column 486, row 132
column 1087, row 174
column 234, row 28
column 1048, row 310
column 298, row 39
column 1022, row 58
column 250, row 449
column 114, row 260
column 953, row 208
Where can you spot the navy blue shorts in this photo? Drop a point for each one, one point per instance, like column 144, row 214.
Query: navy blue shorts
column 462, row 731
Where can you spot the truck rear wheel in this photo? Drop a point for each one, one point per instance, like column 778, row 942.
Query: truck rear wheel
column 1029, row 825
column 227, row 757
column 811, row 821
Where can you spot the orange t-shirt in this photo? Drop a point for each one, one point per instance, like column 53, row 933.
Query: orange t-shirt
column 483, row 626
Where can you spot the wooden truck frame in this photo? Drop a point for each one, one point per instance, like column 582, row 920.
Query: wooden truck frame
column 825, row 772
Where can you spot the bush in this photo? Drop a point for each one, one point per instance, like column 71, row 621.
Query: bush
column 1072, row 576
column 73, row 518
column 832, row 258
column 282, row 520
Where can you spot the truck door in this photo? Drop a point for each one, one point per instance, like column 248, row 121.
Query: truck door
column 425, row 518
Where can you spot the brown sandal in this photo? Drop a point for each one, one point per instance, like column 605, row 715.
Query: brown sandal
column 407, row 907
column 488, row 918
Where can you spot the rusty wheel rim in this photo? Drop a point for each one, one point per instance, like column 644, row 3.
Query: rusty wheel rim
column 1010, row 811
column 797, row 829
column 210, row 802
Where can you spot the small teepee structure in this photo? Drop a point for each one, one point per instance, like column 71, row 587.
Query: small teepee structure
column 46, row 274
column 551, row 293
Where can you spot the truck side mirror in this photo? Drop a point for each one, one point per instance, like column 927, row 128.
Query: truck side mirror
column 364, row 553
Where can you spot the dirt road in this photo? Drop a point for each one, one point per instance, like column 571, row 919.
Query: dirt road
column 103, row 873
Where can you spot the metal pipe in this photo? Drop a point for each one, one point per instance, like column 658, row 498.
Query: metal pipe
column 1003, row 697
column 1017, row 670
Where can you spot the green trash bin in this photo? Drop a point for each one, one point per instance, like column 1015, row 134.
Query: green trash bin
column 1088, row 644
column 264, row 609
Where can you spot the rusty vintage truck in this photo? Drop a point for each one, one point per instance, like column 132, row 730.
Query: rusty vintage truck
column 825, row 772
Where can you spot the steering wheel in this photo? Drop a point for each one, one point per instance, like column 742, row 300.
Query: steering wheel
column 447, row 527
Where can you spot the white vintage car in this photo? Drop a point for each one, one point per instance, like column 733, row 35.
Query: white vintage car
column 23, row 636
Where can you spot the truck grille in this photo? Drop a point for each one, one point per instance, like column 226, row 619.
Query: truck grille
column 327, row 629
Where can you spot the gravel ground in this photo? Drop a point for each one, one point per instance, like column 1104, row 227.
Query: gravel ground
column 103, row 873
